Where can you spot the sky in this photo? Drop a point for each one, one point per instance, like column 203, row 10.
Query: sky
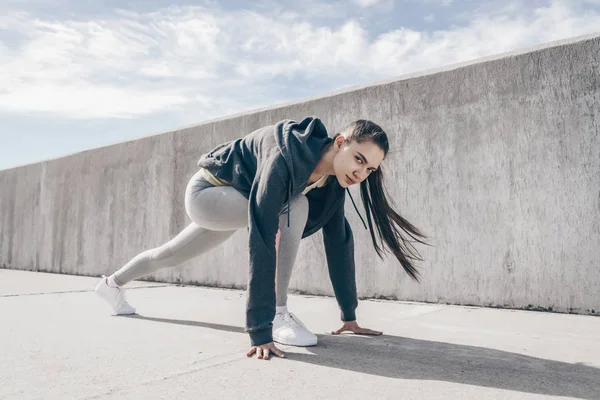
column 81, row 74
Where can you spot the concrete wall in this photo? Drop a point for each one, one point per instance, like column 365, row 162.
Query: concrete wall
column 497, row 160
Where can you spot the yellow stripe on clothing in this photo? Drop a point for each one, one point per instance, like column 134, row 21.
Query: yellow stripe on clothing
column 213, row 179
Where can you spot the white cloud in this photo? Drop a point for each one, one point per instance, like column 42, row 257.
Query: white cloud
column 443, row 3
column 212, row 62
column 89, row 101
column 366, row 3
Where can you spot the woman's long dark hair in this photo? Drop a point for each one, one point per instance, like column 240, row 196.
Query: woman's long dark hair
column 390, row 226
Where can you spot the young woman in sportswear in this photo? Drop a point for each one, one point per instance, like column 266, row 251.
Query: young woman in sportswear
column 283, row 183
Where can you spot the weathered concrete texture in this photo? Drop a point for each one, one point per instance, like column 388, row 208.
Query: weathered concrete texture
column 497, row 161
column 189, row 343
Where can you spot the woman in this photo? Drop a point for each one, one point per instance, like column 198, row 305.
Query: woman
column 283, row 183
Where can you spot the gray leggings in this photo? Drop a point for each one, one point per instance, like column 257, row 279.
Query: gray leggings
column 216, row 213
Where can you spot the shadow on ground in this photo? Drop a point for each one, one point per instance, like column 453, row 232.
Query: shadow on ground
column 405, row 358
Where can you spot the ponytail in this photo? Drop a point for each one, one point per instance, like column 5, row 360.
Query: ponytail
column 389, row 225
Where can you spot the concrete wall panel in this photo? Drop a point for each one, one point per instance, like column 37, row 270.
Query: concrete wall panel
column 497, row 160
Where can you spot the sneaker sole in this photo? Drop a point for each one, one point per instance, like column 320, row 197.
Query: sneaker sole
column 286, row 343
column 99, row 293
column 125, row 313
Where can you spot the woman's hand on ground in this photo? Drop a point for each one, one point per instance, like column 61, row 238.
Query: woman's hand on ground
column 264, row 350
column 352, row 326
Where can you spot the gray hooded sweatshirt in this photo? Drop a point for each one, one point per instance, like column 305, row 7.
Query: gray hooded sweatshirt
column 270, row 166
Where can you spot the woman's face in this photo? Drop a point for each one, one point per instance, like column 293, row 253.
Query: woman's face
column 355, row 161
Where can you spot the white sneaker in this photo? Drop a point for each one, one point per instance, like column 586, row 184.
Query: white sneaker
column 115, row 296
column 289, row 330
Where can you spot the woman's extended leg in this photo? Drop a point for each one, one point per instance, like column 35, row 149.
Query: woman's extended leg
column 188, row 244
column 216, row 212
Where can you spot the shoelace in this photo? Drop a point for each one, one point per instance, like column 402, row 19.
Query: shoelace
column 289, row 316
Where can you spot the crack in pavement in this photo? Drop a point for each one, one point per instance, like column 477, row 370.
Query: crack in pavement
column 76, row 291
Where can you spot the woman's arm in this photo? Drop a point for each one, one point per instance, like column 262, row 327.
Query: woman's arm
column 339, row 250
column 268, row 194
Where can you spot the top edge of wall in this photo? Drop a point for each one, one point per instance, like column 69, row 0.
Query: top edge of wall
column 349, row 89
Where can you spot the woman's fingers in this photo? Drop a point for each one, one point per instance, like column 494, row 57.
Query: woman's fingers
column 353, row 327
column 365, row 331
column 342, row 329
column 278, row 352
column 264, row 351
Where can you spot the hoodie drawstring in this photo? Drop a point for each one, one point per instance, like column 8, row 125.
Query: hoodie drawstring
column 290, row 206
column 289, row 202
column 358, row 212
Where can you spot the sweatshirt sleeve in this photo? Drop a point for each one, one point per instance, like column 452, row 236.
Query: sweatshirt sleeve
column 339, row 250
column 267, row 197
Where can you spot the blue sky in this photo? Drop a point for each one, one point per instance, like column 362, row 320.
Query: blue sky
column 77, row 75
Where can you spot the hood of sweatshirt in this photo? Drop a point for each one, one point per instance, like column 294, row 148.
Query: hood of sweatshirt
column 301, row 144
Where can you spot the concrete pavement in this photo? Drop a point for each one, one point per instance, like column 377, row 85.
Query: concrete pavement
column 58, row 341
